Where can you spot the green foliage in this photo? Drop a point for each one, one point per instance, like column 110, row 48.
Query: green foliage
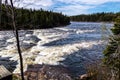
column 116, row 28
column 104, row 32
column 33, row 19
column 96, row 17
column 16, row 77
column 112, row 51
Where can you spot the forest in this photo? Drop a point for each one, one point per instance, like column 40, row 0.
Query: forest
column 96, row 17
column 32, row 19
column 107, row 69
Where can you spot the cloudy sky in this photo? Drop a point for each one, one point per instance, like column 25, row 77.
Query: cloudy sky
column 73, row 7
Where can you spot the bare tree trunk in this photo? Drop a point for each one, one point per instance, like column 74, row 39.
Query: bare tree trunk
column 17, row 39
column 0, row 11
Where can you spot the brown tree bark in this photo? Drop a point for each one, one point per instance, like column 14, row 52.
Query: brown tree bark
column 17, row 39
column 0, row 10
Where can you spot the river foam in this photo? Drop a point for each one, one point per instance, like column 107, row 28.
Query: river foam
column 74, row 44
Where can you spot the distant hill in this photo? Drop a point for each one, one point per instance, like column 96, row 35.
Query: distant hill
column 96, row 17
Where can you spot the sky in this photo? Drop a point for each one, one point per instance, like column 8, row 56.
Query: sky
column 72, row 7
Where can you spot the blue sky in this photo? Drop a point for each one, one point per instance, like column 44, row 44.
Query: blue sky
column 73, row 7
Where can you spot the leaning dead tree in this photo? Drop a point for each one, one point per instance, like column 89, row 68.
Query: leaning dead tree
column 0, row 10
column 12, row 14
column 17, row 38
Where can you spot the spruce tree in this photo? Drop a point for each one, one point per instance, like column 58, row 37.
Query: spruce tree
column 112, row 52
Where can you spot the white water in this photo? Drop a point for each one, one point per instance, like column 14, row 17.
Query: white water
column 72, row 46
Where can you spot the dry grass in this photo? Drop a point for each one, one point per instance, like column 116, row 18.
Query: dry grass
column 98, row 71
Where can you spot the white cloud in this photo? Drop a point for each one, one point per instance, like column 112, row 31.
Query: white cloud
column 39, row 2
column 35, row 4
column 80, row 6
column 73, row 7
column 93, row 2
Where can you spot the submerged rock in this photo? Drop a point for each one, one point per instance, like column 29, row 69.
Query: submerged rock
column 2, row 43
column 31, row 38
column 26, row 45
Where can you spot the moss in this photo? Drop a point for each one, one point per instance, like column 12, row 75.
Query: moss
column 16, row 77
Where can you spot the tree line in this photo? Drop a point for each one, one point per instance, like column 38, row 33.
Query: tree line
column 32, row 19
column 96, row 17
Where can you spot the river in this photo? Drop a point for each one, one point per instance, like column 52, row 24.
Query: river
column 72, row 46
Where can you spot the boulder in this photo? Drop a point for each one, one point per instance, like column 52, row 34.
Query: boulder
column 5, row 74
column 31, row 38
column 47, row 72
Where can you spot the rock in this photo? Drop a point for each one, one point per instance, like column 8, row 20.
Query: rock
column 89, row 76
column 2, row 43
column 29, row 32
column 31, row 38
column 5, row 74
column 47, row 72
column 9, row 64
column 26, row 45
column 84, row 77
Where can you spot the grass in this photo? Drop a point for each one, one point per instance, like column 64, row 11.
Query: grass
column 98, row 71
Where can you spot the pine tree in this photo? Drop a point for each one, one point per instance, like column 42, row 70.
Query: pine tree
column 112, row 52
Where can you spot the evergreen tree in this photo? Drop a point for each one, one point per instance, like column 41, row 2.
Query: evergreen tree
column 33, row 19
column 112, row 52
column 96, row 17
